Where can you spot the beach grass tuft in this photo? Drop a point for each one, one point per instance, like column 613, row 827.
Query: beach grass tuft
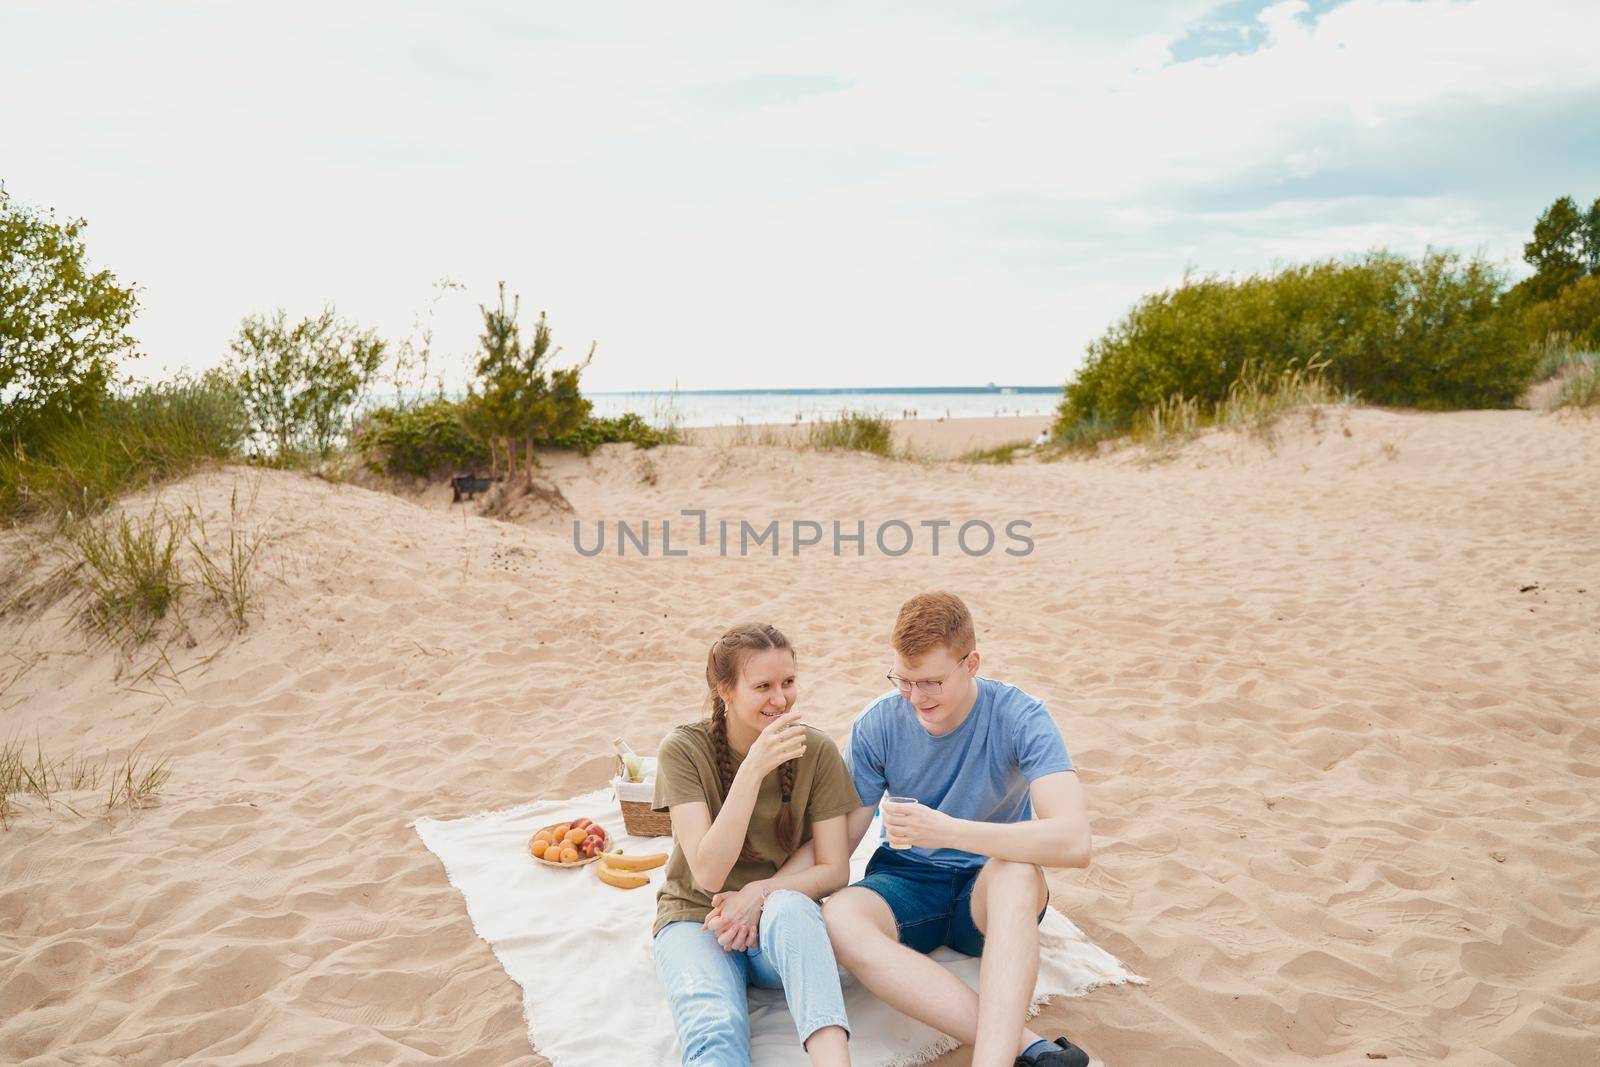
column 1579, row 375
column 1169, row 424
column 1259, row 397
column 132, row 782
column 128, row 570
column 852, row 431
column 226, row 572
column 999, row 454
column 137, row 779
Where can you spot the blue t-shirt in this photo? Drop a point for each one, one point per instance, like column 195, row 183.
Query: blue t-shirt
column 980, row 771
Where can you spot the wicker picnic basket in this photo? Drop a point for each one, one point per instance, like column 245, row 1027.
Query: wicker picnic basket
column 635, row 799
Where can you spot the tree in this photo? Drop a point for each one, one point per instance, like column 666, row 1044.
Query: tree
column 298, row 384
column 1557, row 251
column 518, row 400
column 1591, row 239
column 63, row 326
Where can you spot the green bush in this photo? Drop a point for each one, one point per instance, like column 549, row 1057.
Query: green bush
column 422, row 440
column 132, row 439
column 594, row 432
column 298, row 384
column 1425, row 333
column 1573, row 315
column 63, row 326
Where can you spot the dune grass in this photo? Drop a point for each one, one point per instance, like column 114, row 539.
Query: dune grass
column 1253, row 405
column 1579, row 376
column 1259, row 397
column 226, row 572
column 1580, row 389
column 136, row 439
column 131, row 782
column 1001, row 455
column 137, row 779
column 1167, row 425
column 127, row 570
column 1566, row 377
column 852, row 431
column 127, row 575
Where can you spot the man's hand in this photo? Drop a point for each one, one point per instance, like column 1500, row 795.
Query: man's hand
column 917, row 824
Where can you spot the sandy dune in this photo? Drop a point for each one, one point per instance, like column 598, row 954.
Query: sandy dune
column 1334, row 704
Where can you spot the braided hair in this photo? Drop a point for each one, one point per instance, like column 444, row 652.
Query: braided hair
column 723, row 664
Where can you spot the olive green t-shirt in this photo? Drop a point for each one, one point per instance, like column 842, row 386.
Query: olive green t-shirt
column 686, row 771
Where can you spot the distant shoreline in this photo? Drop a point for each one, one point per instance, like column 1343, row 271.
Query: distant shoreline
column 777, row 407
column 936, row 438
column 884, row 390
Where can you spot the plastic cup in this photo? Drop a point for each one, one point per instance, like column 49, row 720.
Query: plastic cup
column 908, row 801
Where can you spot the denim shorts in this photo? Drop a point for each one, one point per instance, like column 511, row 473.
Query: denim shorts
column 932, row 905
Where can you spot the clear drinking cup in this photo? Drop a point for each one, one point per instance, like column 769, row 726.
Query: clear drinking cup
column 908, row 802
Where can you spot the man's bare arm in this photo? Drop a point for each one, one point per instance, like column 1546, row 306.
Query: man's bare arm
column 1056, row 836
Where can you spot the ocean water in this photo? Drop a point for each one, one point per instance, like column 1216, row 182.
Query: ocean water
column 730, row 407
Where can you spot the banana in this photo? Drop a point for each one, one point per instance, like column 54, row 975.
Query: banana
column 618, row 861
column 621, row 879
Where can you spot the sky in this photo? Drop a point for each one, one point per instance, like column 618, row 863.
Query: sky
column 753, row 195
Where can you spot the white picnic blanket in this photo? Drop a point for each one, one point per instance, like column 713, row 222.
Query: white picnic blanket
column 580, row 950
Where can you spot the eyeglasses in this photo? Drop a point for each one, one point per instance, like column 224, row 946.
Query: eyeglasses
column 927, row 686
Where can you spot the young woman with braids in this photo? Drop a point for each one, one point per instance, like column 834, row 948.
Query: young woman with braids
column 746, row 788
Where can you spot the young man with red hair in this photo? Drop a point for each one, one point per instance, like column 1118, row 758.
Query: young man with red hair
column 997, row 799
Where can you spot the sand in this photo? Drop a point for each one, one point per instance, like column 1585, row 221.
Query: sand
column 1334, row 705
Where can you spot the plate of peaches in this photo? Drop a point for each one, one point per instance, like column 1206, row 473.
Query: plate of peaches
column 569, row 844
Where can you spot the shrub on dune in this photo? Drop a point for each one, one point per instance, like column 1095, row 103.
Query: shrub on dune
column 1425, row 333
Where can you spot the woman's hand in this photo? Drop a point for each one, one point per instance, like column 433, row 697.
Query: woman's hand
column 743, row 907
column 732, row 936
column 738, row 917
column 782, row 740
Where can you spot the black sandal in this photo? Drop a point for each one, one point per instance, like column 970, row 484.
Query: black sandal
column 1068, row 1055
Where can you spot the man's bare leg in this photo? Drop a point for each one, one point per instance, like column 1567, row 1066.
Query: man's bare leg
column 1005, row 908
column 862, row 930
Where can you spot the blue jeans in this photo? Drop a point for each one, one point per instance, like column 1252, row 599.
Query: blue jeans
column 706, row 984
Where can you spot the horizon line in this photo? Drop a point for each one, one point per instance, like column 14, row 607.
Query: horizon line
column 997, row 389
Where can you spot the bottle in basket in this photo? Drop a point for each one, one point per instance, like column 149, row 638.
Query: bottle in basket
column 632, row 765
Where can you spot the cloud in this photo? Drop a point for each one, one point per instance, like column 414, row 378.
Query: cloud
column 738, row 194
